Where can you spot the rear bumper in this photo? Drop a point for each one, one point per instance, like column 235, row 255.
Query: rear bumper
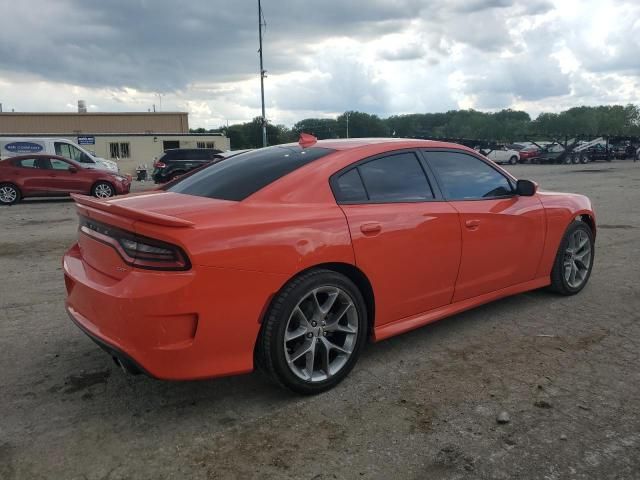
column 171, row 325
column 159, row 177
column 121, row 358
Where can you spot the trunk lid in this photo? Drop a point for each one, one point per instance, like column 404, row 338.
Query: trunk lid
column 158, row 215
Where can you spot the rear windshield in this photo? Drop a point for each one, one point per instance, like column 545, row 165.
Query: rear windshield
column 240, row 176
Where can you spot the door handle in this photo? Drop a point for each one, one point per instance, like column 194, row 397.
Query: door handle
column 370, row 228
column 472, row 224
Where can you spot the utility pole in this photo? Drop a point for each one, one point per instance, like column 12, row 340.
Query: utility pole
column 262, row 75
column 347, row 114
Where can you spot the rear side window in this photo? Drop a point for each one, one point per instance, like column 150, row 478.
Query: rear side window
column 26, row 163
column 350, row 187
column 238, row 177
column 464, row 177
column 197, row 155
column 393, row 178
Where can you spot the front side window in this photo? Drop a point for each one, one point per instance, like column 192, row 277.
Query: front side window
column 238, row 177
column 393, row 178
column 68, row 151
column 59, row 164
column 464, row 177
column 62, row 149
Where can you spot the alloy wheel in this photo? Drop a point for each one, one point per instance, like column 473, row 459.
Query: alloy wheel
column 8, row 194
column 103, row 191
column 321, row 334
column 577, row 259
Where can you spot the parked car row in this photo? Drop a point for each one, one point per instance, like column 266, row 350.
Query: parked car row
column 52, row 175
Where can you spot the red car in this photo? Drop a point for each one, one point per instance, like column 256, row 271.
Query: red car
column 527, row 153
column 50, row 175
column 291, row 257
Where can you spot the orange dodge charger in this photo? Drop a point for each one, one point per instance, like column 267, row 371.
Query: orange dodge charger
column 290, row 257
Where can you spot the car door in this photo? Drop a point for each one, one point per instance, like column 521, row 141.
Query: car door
column 496, row 155
column 502, row 233
column 60, row 179
column 30, row 177
column 406, row 239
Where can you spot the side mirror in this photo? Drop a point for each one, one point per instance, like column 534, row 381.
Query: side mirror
column 73, row 170
column 526, row 188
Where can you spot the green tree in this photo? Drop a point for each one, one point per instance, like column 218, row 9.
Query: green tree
column 361, row 125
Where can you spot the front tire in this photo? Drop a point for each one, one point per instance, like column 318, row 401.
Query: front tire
column 9, row 194
column 313, row 332
column 574, row 259
column 513, row 160
column 103, row 190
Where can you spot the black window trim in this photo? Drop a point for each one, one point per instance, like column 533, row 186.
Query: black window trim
column 435, row 189
column 425, row 154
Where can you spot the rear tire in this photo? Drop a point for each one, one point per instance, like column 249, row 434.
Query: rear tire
column 513, row 160
column 313, row 332
column 9, row 194
column 574, row 259
column 103, row 190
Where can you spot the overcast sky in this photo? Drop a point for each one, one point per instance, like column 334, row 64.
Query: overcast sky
column 378, row 56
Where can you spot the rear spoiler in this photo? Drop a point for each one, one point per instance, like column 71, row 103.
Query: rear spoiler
column 141, row 215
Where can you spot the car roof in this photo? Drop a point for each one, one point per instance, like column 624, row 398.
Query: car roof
column 352, row 143
column 38, row 155
column 41, row 155
column 188, row 149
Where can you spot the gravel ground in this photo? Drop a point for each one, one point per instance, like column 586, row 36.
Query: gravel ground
column 562, row 372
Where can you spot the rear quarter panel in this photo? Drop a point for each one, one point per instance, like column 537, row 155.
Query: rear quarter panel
column 271, row 238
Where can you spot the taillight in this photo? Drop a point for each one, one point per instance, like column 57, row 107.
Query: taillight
column 159, row 165
column 136, row 250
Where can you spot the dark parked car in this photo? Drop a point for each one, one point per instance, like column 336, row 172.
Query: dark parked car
column 178, row 161
column 51, row 175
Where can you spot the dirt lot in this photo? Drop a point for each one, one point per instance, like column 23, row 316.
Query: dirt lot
column 422, row 405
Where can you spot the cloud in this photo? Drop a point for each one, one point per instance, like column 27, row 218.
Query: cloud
column 403, row 52
column 381, row 56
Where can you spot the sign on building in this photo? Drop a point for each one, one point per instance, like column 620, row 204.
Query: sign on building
column 87, row 140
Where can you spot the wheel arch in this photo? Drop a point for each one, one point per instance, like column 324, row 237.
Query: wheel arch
column 589, row 219
column 350, row 271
